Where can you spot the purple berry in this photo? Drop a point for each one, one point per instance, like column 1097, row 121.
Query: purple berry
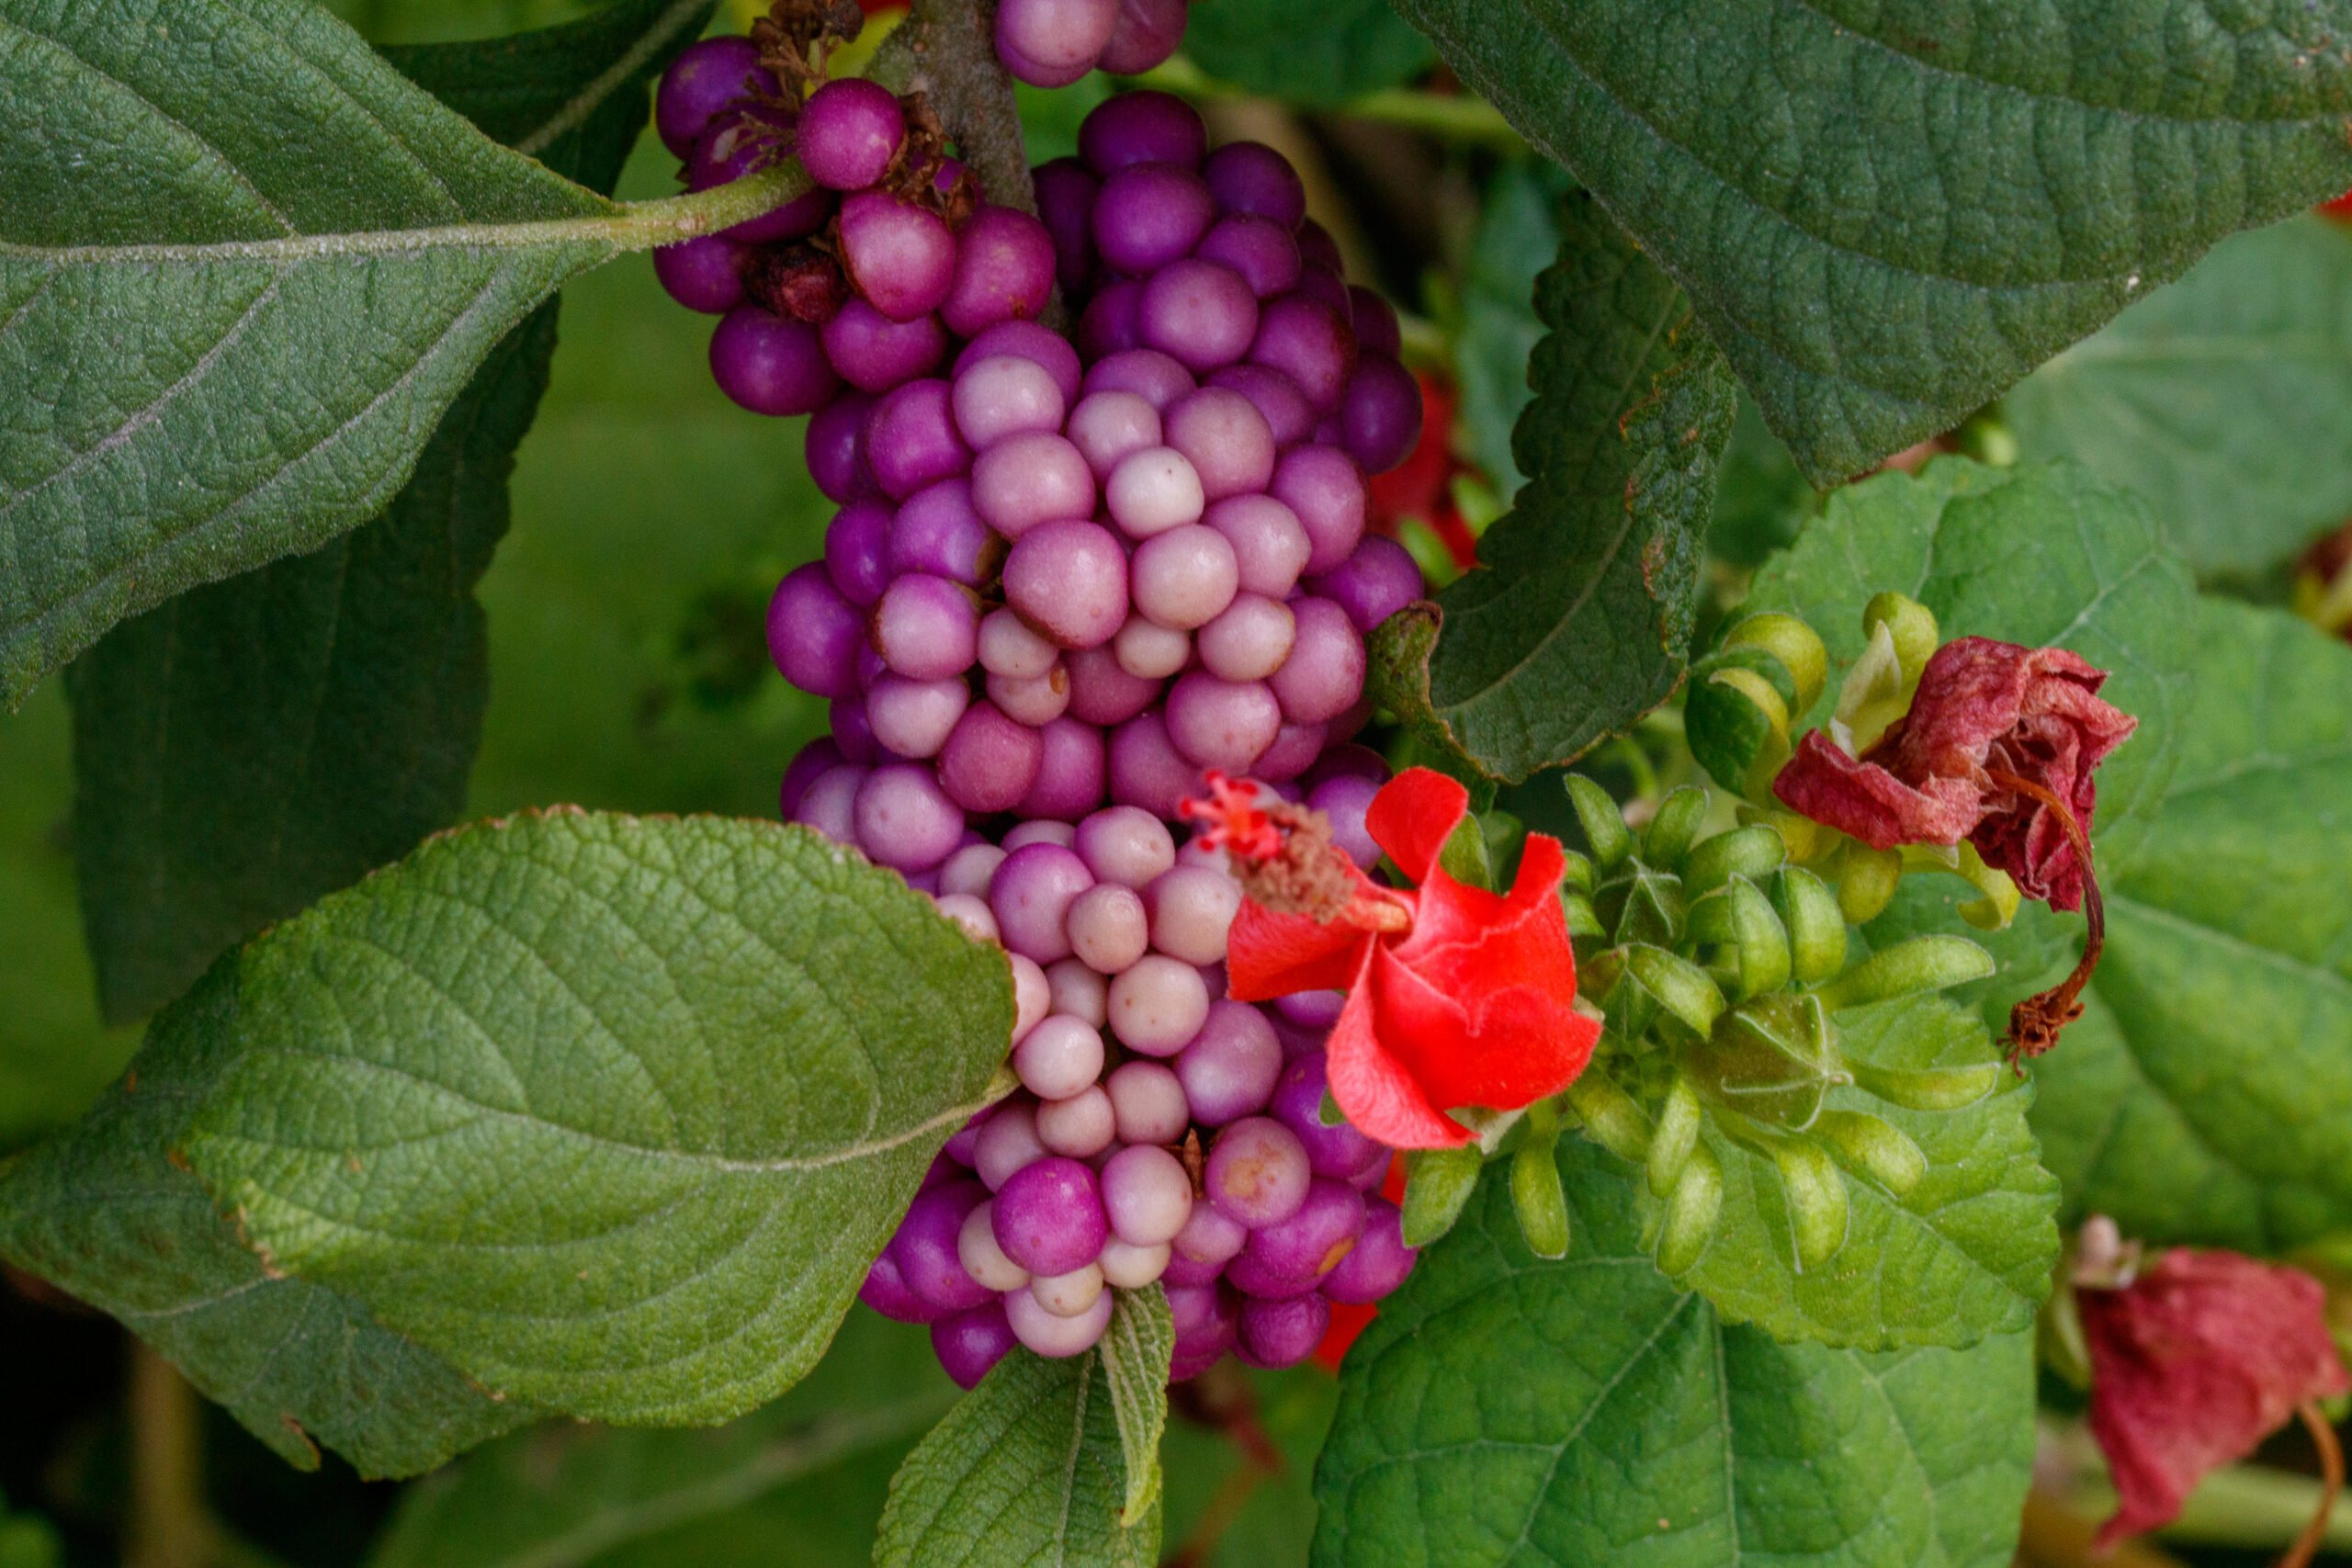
column 1147, row 372
column 873, row 353
column 910, row 438
column 1070, row 773
column 1341, row 1153
column 1112, row 321
column 1380, row 1261
column 703, row 79
column 1185, row 577
column 1027, row 340
column 1056, row 1338
column 1067, row 578
column 1225, row 725
column 1006, row 395
column 1065, row 205
column 1147, row 1099
column 1148, row 215
column 1147, row 33
column 1374, row 320
column 742, row 141
column 858, row 551
column 904, row 819
column 1270, row 545
column 1283, row 1333
column 1311, row 1243
column 1262, row 253
column 1062, row 1056
column 1376, row 580
column 810, row 760
column 1142, row 128
column 771, row 364
column 813, row 633
column 1109, row 427
column 835, row 447
column 1324, row 674
column 1146, row 768
column 1275, row 397
column 1381, row 417
column 1308, row 341
column 938, row 531
column 1048, row 1216
column 987, row 764
column 1226, row 440
column 829, row 806
column 1249, row 640
column 1157, row 1004
column 1104, row 691
column 1060, row 38
column 1033, row 478
column 1323, row 485
column 888, row 1294
column 851, row 130
column 1258, row 1172
column 1004, row 270
column 705, row 274
column 1126, row 846
column 925, row 627
column 925, row 1247
column 1251, row 177
column 1208, row 1317
column 1147, row 1195
column 1199, row 313
column 1229, row 1070
column 1031, row 892
column 900, row 257
column 1192, row 909
column 970, row 1343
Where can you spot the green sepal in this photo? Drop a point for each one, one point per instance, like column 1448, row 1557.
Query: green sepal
column 1738, row 708
column 1930, row 1089
column 1438, row 1182
column 1583, row 919
column 1874, row 1147
column 1642, row 905
column 1815, row 927
column 1536, row 1198
column 1675, row 826
column 1608, row 1116
column 1575, row 870
column 1819, row 1214
column 1752, row 945
column 1676, row 1136
column 1773, row 1059
column 1693, row 1211
column 1922, row 963
column 1754, row 851
column 1465, row 855
column 1793, row 645
column 1681, row 987
column 1604, row 823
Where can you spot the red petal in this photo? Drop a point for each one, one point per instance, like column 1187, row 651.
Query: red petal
column 1413, row 815
column 1473, row 1042
column 2192, row 1365
column 1866, row 800
column 1269, row 954
column 1373, row 1088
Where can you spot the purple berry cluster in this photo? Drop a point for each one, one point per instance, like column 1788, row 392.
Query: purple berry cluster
column 1051, row 43
column 1163, row 1132
column 1066, row 581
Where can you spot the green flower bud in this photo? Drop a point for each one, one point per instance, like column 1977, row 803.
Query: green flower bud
column 1641, row 904
column 1582, row 919
column 1668, row 837
column 1795, row 645
column 1753, row 851
column 1609, row 1117
column 1920, row 964
column 1604, row 825
column 1677, row 1135
column 1438, row 1182
column 1934, row 1089
column 1681, row 987
column 1912, row 625
column 1866, row 879
column 1818, row 1214
column 1464, row 854
column 1817, row 927
column 1773, row 1060
column 1752, row 946
column 1691, row 1210
column 1875, row 1148
column 1576, row 869
column 1535, row 1196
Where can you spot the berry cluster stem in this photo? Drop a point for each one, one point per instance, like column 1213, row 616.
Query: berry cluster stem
column 946, row 50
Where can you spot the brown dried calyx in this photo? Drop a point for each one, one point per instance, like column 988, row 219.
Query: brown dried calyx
column 803, row 281
column 797, row 36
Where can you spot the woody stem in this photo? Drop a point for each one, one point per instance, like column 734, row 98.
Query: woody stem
column 2331, row 1470
column 2058, row 1004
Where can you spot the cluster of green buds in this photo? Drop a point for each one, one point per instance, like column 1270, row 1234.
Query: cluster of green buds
column 1749, row 697
column 1720, row 967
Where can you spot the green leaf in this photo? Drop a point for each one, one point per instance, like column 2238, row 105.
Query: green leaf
column 2205, row 1096
column 563, row 1494
column 231, row 745
column 1505, row 1410
column 110, row 1213
column 1965, row 1252
column 1518, row 231
column 1315, row 51
column 2036, row 555
column 2223, row 399
column 612, row 1113
column 27, row 1540
column 218, row 356
column 1035, row 1465
column 1887, row 214
column 1578, row 620
column 1137, row 1349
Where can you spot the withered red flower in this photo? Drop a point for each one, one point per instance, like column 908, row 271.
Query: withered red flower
column 1456, row 996
column 2194, row 1362
column 1997, row 738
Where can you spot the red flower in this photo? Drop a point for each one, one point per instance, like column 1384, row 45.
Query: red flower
column 1998, row 737
column 2193, row 1363
column 1456, row 996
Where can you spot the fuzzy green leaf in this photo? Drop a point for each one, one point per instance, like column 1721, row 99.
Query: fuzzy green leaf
column 254, row 744
column 612, row 1113
column 1886, row 214
column 814, row 1464
column 2206, row 1096
column 2224, row 399
column 1577, row 620
column 2035, row 554
column 1503, row 1410
column 1036, row 1465
column 216, row 356
column 1315, row 51
column 1965, row 1252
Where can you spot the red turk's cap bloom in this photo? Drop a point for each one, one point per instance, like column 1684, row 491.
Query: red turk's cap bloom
column 2194, row 1362
column 1996, row 736
column 1456, row 996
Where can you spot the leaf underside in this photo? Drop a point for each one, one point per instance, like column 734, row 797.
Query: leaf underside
column 1888, row 213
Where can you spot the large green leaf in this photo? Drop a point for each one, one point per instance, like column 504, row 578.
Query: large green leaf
column 1518, row 234
column 2206, row 1097
column 2224, row 399
column 612, row 1114
column 1577, row 620
column 1035, row 1466
column 252, row 744
column 1965, row 1252
column 1503, row 1409
column 110, row 1213
column 569, row 1495
column 216, row 355
column 1887, row 213
column 1318, row 51
column 2036, row 555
